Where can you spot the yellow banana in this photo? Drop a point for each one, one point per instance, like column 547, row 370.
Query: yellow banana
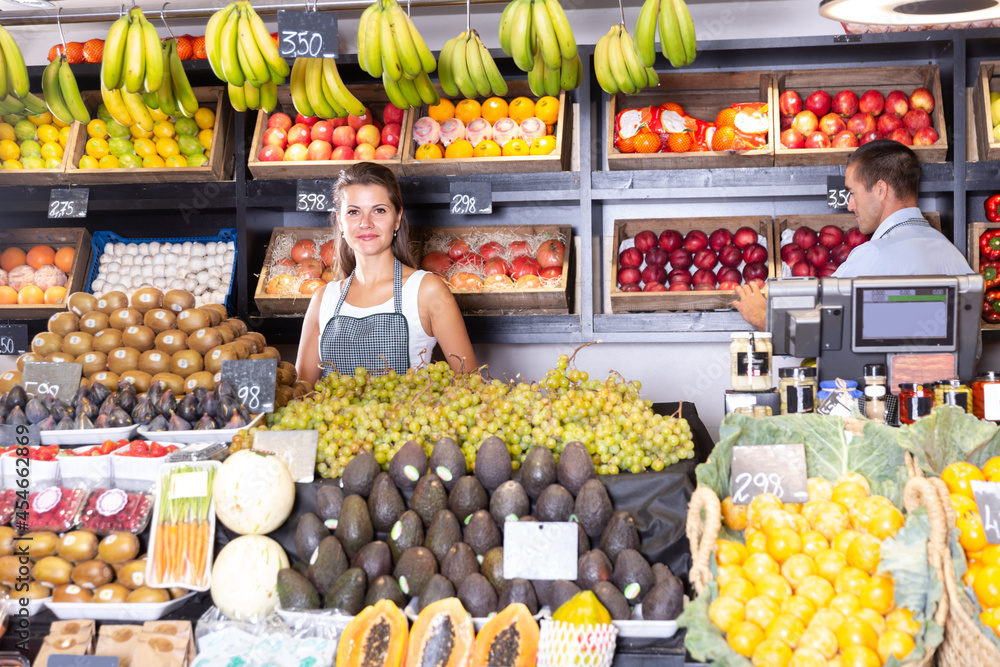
column 446, row 76
column 228, row 47
column 135, row 55
column 536, row 76
column 276, row 78
column 328, row 94
column 4, row 79
column 341, row 94
column 268, row 96
column 602, row 68
column 115, row 105
column 137, row 108
column 249, row 74
column 390, row 58
column 153, row 75
column 409, row 90
column 393, row 92
column 427, row 61
column 268, row 49
column 497, row 84
column 634, row 66
column 521, row 46
column 425, row 88
column 547, row 42
column 187, row 102
column 363, row 34
column 71, row 93
column 53, row 96
column 551, row 80
column 686, row 29
column 460, row 67
column 562, row 28
column 165, row 95
column 569, row 74
column 645, row 32
column 616, row 58
column 213, row 39
column 372, row 55
column 297, row 86
column 670, row 34
column 34, row 104
column 251, row 94
column 314, row 88
column 652, row 78
column 474, row 61
column 17, row 72
column 236, row 97
column 251, row 52
column 506, row 24
column 405, row 48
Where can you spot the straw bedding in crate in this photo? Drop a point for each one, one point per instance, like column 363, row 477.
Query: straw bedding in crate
column 281, row 250
column 566, row 645
column 441, row 241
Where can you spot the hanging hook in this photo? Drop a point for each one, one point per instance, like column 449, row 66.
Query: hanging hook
column 380, row 5
column 409, row 7
column 59, row 25
column 468, row 16
column 315, row 5
column 164, row 19
column 622, row 8
column 121, row 11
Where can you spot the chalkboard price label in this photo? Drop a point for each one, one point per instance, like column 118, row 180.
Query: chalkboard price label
column 987, row 495
column 253, row 381
column 536, row 550
column 68, row 202
column 837, row 195
column 60, row 379
column 13, row 338
column 312, row 195
column 471, row 198
column 306, row 34
column 777, row 469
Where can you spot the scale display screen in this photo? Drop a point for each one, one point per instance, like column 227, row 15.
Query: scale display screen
column 901, row 319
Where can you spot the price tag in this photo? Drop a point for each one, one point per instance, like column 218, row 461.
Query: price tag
column 20, row 436
column 188, row 485
column 314, row 195
column 471, row 198
column 56, row 660
column 536, row 550
column 307, row 34
column 69, row 202
column 296, row 448
column 13, row 338
column 987, row 495
column 253, row 381
column 777, row 469
column 837, row 195
column 56, row 378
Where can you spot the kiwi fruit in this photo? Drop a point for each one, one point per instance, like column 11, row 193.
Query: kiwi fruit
column 9, row 379
column 203, row 340
column 146, row 299
column 26, row 357
column 41, row 544
column 215, row 357
column 177, row 592
column 218, row 308
column 202, row 379
column 123, row 318
column 77, row 546
column 123, row 359
column 243, row 348
column 171, row 341
column 287, row 373
column 92, row 362
column 178, row 300
column 7, row 535
column 226, row 332
column 72, row 593
column 132, row 574
column 118, row 547
column 60, row 357
column 138, row 379
column 81, row 302
column 171, row 381
column 109, row 302
column 111, row 593
column 107, row 339
column 94, row 321
column 53, row 571
column 139, row 336
column 191, row 320
column 45, row 343
column 255, row 341
column 186, row 362
column 154, row 361
column 64, row 323
column 239, row 326
column 107, row 378
column 214, row 319
column 160, row 319
column 146, row 594
column 77, row 343
column 92, row 574
column 36, row 591
column 10, row 567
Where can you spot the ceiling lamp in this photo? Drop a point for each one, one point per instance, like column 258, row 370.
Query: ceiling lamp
column 39, row 4
column 912, row 12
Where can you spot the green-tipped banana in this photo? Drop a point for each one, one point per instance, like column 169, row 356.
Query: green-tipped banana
column 635, row 69
column 474, row 61
column 331, row 98
column 563, row 30
column 268, row 96
column 551, row 81
column 229, row 52
column 113, row 60
column 427, row 61
column 53, row 96
column 686, row 27
column 33, row 103
column 213, row 39
column 652, row 78
column 496, row 80
column 153, row 57
column 393, row 92
column 536, row 76
column 616, row 59
column 4, row 79
column 115, row 104
column 251, row 51
column 446, row 76
column 670, row 34
column 314, row 89
column 152, row 100
column 249, row 74
column 135, row 55
column 341, row 94
column 409, row 90
column 371, row 57
column 137, row 108
column 237, row 98
column 506, row 24
column 297, row 86
column 251, row 95
column 390, row 58
column 460, row 67
column 521, row 44
column 426, row 90
column 165, row 95
column 547, row 41
column 405, row 48
column 15, row 105
column 187, row 102
column 602, row 68
column 71, row 93
column 645, row 32
column 7, row 108
column 268, row 50
column 363, row 23
column 17, row 72
column 569, row 73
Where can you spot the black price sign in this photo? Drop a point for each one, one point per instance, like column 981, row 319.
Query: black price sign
column 68, row 202
column 837, row 195
column 777, row 469
column 307, row 34
column 987, row 495
column 471, row 198
column 82, row 661
column 56, row 378
column 13, row 338
column 314, row 195
column 253, row 381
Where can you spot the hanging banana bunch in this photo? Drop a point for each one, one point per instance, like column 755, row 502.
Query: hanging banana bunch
column 317, row 90
column 62, row 94
column 618, row 66
column 677, row 37
column 132, row 55
column 175, row 97
column 466, row 68
column 537, row 34
column 15, row 97
column 390, row 47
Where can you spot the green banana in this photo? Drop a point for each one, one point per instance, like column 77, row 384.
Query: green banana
column 562, row 28
column 53, row 96
column 645, row 32
column 686, row 29
column 496, row 80
column 521, row 45
column 670, row 35
column 15, row 105
column 463, row 79
column 569, row 73
column 6, row 109
column 297, row 86
column 331, row 98
column 251, row 95
column 602, row 68
column 237, row 98
column 634, row 66
column 506, row 23
column 213, row 35
column 341, row 94
column 165, row 95
column 314, row 88
column 135, row 55
column 268, row 50
column 551, row 80
column 4, row 79
column 153, row 57
column 446, row 76
column 115, row 105
column 229, row 56
column 269, row 96
column 251, row 51
column 152, row 100
column 405, row 48
column 393, row 92
column 276, row 78
column 536, row 76
column 373, row 49
column 71, row 93
column 390, row 58
column 409, row 90
column 186, row 100
column 547, row 41
column 425, row 88
column 652, row 78
column 17, row 71
column 474, row 61
column 427, row 61
column 34, row 104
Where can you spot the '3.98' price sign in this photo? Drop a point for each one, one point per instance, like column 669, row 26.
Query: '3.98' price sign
column 314, row 195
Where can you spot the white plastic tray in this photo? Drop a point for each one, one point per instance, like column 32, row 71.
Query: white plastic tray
column 412, row 610
column 326, row 616
column 115, row 611
column 88, row 436
column 191, row 437
column 34, row 606
column 646, row 629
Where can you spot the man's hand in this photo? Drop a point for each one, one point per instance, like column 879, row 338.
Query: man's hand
column 752, row 305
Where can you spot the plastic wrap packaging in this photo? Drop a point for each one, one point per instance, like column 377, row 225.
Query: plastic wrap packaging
column 124, row 505
column 567, row 645
column 56, row 506
column 269, row 642
column 8, row 499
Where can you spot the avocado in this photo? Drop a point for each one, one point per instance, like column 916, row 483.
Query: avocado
column 443, row 532
column 415, row 568
column 329, row 499
column 408, row 465
column 613, row 600
column 448, row 462
column 492, row 568
column 375, row 559
column 481, row 533
column 466, row 497
column 354, row 527
column 561, row 592
column 385, row 588
column 509, row 500
column 438, row 588
column 575, row 467
column 428, row 498
column 385, row 503
column 493, row 466
column 620, row 534
column 665, row 602
column 593, row 507
column 543, row 589
column 459, row 562
column 301, row 567
column 347, row 593
column 309, row 532
column 538, row 470
column 661, row 573
column 592, row 567
column 327, row 563
column 632, row 576
column 518, row 590
column 555, row 504
column 582, row 541
column 359, row 474
column 477, row 596
column 295, row 591
column 405, row 533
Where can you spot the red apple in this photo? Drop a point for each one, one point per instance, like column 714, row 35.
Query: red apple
column 706, row 259
column 391, row 134
column 296, row 153
column 645, row 240
column 755, row 271
column 789, row 103
column 392, row 114
column 551, row 272
column 831, row 236
column 280, row 120
column 845, row 139
column 754, row 252
column 855, row 237
column 695, row 240
column 845, row 103
column 323, row 131
column 654, row 274
column 308, row 121
column 630, row 287
column 654, row 287
column 369, row 134
column 299, row 134
column 921, row 98
column 785, row 122
column 818, row 140
column 365, row 152
column 803, row 268
column 680, row 259
column 831, row 124
column 902, row 135
column 925, row 136
column 730, row 256
column 342, row 153
column 728, row 274
column 657, row 256
column 629, row 275
column 345, row 136
column 871, row 102
column 385, row 152
column 897, row 102
column 744, row 236
column 357, row 122
column 916, row 119
column 819, row 103
column 338, row 122
column 703, row 276
column 319, row 150
column 491, row 249
column 826, row 270
column 728, row 285
column 792, row 139
column 719, row 239
column 805, row 238
column 275, row 136
column 630, row 257
column 818, row 255
column 805, row 123
column 888, row 123
column 869, row 137
column 861, row 123
column 679, row 287
column 670, row 240
column 271, row 153
column 840, row 253
column 682, row 275
column 496, row 266
column 436, row 262
column 793, row 254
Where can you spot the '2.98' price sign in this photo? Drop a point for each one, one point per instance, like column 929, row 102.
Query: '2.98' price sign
column 777, row 469
column 307, row 34
column 253, row 380
column 471, row 198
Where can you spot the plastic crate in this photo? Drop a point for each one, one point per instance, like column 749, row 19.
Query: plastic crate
column 101, row 239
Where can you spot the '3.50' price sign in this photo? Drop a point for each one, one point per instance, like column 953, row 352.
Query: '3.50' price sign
column 307, row 34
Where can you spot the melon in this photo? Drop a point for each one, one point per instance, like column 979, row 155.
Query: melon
column 442, row 636
column 375, row 638
column 245, row 577
column 253, row 492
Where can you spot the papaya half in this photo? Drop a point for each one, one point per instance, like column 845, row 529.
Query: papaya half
column 509, row 639
column 442, row 636
column 375, row 638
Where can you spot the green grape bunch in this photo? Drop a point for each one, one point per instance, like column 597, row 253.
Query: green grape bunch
column 379, row 413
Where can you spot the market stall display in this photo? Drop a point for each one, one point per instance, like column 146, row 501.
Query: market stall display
column 37, row 286
column 986, row 111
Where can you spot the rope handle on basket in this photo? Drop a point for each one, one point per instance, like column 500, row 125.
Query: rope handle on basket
column 921, row 491
column 912, row 468
column 702, row 534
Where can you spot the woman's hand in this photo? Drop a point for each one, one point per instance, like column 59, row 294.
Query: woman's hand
column 752, row 305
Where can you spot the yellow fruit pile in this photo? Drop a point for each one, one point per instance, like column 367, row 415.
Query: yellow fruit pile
column 805, row 590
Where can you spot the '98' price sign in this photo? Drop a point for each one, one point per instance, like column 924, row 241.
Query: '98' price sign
column 307, row 34
column 253, row 381
column 777, row 469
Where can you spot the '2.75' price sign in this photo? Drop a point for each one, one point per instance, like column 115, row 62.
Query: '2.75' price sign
column 68, row 203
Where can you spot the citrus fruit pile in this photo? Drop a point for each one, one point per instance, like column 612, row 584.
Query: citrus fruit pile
column 36, row 276
column 805, row 589
column 492, row 128
column 189, row 47
column 181, row 142
column 32, row 142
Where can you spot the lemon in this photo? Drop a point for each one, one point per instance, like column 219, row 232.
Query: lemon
column 48, row 132
column 64, row 136
column 52, row 163
column 31, row 148
column 197, row 160
column 118, row 147
column 24, row 130
column 189, row 145
column 165, row 147
column 97, row 148
column 205, row 118
column 152, row 161
column 186, row 126
column 108, row 162
column 176, row 161
column 41, row 119
column 145, row 147
column 205, row 137
column 60, row 124
column 158, row 115
column 163, row 128
column 7, row 132
column 139, row 133
column 9, row 150
column 52, row 149
column 88, row 162
column 12, row 164
column 32, row 162
column 130, row 161
column 116, row 129
column 97, row 129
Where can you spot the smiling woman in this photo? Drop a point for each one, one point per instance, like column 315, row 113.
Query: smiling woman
column 380, row 314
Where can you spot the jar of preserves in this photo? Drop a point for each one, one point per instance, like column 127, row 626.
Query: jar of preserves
column 915, row 401
column 986, row 396
column 797, row 387
column 954, row 393
column 750, row 361
column 875, row 392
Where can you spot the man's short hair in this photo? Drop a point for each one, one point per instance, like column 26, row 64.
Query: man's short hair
column 889, row 161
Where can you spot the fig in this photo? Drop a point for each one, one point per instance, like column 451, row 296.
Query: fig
column 207, row 404
column 66, row 424
column 35, row 410
column 160, row 423
column 224, row 389
column 188, row 408
column 60, row 410
column 48, row 400
column 16, row 417
column 178, row 424
column 155, row 391
column 102, row 421
column 16, row 397
column 235, row 422
column 167, row 403
column 206, row 423
column 98, row 393
column 107, row 406
column 3, row 409
column 228, row 407
column 47, row 424
column 119, row 417
column 85, row 408
column 126, row 399
column 81, row 392
column 82, row 421
column 144, row 412
column 200, row 393
column 244, row 413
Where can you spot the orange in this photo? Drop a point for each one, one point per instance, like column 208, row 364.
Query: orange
column 40, row 255
column 8, row 295
column 859, row 656
column 673, row 106
column 93, row 50
column 725, row 612
column 626, row 145
column 782, row 543
column 198, row 51
column 547, row 110
column 762, row 610
column 879, row 594
column 429, row 152
column 733, row 515
column 864, row 509
column 958, row 475
column 647, row 142
column 820, row 639
column 856, row 632
column 973, row 537
column 468, row 111
column 851, row 580
column 680, row 142
column 730, row 553
column 772, row 653
column 723, row 138
column 894, row 642
column 800, row 607
column 55, row 294
column 31, row 294
column 817, row 590
column 487, row 148
column 442, row 111
column 726, row 118
column 459, row 149
column 797, row 568
column 493, row 109
column 744, row 638
column 12, row 257
column 520, row 109
column 885, row 522
column 787, row 628
column 990, row 555
column 969, row 578
column 987, row 586
column 515, row 147
column 64, row 259
column 543, row 145
column 991, row 468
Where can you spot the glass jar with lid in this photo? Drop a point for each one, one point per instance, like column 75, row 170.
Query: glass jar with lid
column 750, row 361
column 915, row 401
column 797, row 388
column 954, row 393
column 986, row 396
column 875, row 392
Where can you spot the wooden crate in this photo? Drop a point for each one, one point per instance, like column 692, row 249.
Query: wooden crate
column 281, row 305
column 220, row 160
column 857, row 79
column 541, row 301
column 975, row 230
column 703, row 95
column 557, row 160
column 44, row 176
column 987, row 81
column 77, row 238
column 374, row 97
column 661, row 302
